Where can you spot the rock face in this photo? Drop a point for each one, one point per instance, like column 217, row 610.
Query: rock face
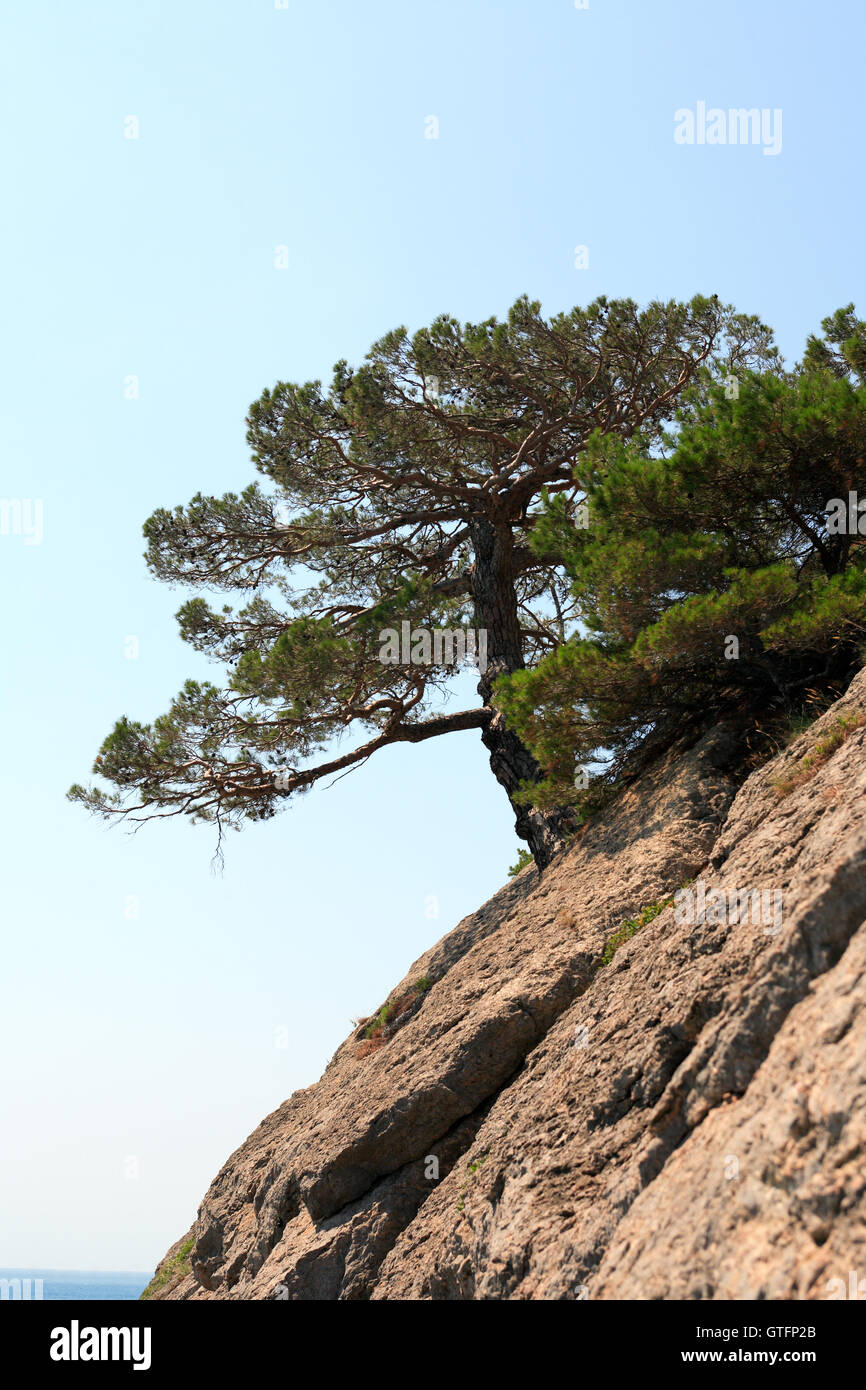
column 684, row 1118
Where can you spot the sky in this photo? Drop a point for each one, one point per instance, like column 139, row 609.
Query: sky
column 202, row 199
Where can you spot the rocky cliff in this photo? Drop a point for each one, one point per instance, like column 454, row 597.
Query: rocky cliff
column 587, row 1090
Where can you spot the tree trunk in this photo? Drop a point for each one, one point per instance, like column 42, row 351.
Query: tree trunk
column 511, row 762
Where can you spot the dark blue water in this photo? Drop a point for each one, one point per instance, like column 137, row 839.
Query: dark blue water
column 73, row 1283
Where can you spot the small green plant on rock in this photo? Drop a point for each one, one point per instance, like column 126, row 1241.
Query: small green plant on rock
column 471, row 1170
column 523, row 858
column 824, row 749
column 171, row 1272
column 630, row 927
column 374, row 1032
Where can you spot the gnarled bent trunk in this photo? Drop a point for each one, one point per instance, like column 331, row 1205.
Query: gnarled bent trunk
column 496, row 612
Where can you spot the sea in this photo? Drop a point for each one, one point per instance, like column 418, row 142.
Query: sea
column 96, row 1284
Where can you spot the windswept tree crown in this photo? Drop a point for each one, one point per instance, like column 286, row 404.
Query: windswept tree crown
column 405, row 492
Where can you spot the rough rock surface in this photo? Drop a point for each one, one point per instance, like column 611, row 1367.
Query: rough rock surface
column 687, row 1120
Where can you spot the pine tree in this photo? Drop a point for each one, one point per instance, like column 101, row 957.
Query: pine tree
column 406, row 492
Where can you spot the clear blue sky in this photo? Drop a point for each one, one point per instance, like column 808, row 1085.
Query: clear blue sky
column 149, row 1045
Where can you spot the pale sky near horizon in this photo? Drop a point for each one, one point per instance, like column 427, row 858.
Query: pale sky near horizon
column 145, row 999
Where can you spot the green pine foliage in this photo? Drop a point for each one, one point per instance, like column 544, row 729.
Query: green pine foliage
column 712, row 580
column 645, row 511
column 523, row 858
